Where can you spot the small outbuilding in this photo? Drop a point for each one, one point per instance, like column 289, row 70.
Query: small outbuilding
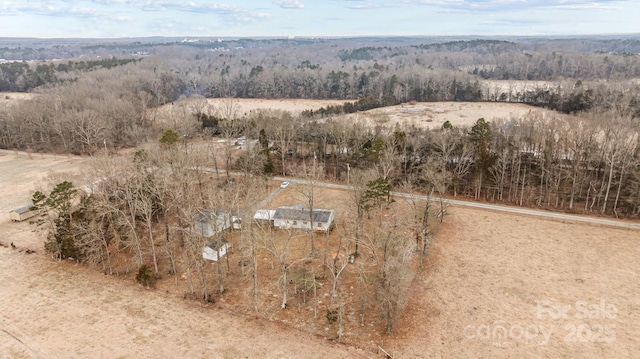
column 236, row 222
column 23, row 213
column 215, row 249
column 208, row 223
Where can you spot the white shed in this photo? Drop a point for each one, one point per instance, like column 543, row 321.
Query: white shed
column 236, row 222
column 215, row 249
column 22, row 213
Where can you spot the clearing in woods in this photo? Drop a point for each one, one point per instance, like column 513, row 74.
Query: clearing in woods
column 421, row 114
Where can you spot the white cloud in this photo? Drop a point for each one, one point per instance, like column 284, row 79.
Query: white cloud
column 348, row 17
column 232, row 12
column 83, row 12
column 117, row 2
column 488, row 5
column 125, row 9
column 289, row 4
column 123, row 18
column 508, row 5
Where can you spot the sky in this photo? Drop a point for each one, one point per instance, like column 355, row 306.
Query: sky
column 314, row 18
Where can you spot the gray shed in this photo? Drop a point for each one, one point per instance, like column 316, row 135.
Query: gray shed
column 22, row 213
column 208, row 223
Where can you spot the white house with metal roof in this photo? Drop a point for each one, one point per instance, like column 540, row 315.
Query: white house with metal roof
column 301, row 217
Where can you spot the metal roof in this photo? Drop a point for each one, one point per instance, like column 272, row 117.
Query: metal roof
column 206, row 216
column 216, row 243
column 22, row 210
column 264, row 214
column 301, row 213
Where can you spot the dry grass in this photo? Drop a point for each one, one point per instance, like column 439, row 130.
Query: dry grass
column 435, row 114
column 11, row 98
column 490, row 271
column 413, row 114
column 295, row 106
column 238, row 107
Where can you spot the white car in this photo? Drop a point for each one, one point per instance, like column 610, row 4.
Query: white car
column 284, row 185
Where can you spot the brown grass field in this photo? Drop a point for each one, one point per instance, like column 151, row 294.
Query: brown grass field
column 238, row 107
column 434, row 114
column 10, row 98
column 421, row 114
column 560, row 291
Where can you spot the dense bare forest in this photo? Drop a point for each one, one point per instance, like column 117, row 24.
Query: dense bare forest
column 136, row 212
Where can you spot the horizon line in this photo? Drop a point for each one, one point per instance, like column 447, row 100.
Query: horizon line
column 293, row 37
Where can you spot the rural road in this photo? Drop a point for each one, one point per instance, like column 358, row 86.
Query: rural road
column 506, row 209
column 37, row 155
column 498, row 208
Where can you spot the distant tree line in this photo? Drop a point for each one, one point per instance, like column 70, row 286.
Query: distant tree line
column 480, row 46
column 24, row 76
column 324, row 69
column 106, row 108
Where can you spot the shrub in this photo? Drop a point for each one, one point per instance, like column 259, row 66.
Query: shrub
column 146, row 277
column 332, row 315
